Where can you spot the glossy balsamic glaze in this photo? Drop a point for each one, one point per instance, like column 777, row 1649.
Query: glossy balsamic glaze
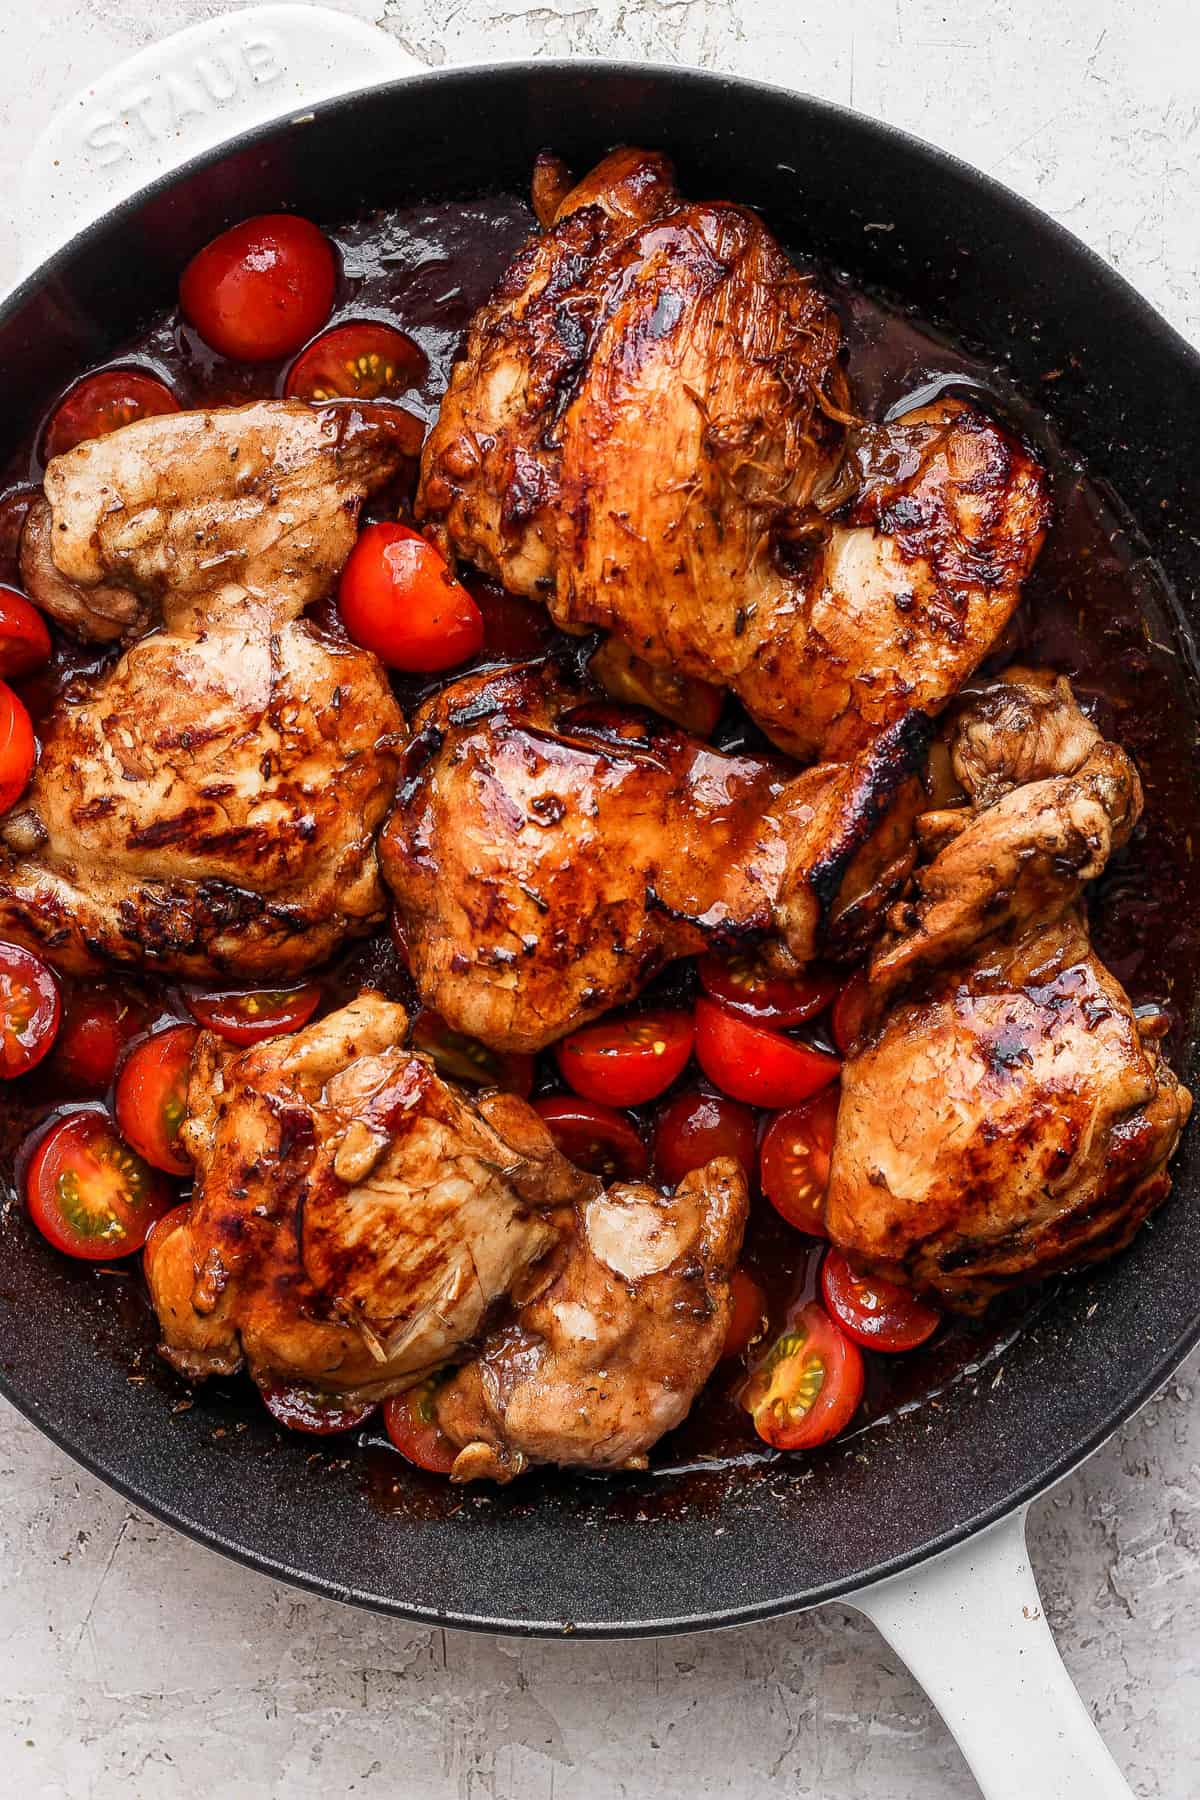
column 1096, row 608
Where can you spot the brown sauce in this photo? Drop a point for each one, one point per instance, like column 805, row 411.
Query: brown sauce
column 1097, row 608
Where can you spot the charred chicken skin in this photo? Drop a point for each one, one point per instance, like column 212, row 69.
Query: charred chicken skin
column 549, row 856
column 1008, row 1114
column 651, row 405
column 207, row 804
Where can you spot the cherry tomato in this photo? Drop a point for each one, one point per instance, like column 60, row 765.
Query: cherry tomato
column 808, row 1386
column 879, row 1314
column 262, row 288
column 97, row 1023
column 849, row 1011
column 745, row 986
column 160, row 1230
column 248, row 1017
column 304, row 1408
column 24, row 639
column 90, row 1194
column 359, row 361
column 748, row 1320
column 794, row 1162
column 151, row 1100
column 464, row 1058
column 624, row 1061
column 29, row 1010
column 411, row 1422
column 695, row 1127
column 682, row 699
column 18, row 748
column 594, row 1137
column 756, row 1065
column 398, row 598
column 512, row 627
column 102, row 403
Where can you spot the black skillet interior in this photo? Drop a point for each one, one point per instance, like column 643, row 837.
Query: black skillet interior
column 627, row 1556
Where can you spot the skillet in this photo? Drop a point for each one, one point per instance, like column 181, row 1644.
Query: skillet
column 636, row 1557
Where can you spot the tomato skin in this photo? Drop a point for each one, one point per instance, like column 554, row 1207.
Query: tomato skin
column 24, row 639
column 594, row 1137
column 88, row 1193
column 809, row 1385
column 102, row 403
column 694, row 1127
column 513, row 628
column 97, row 1023
column 398, row 598
column 849, row 1011
column 160, row 1230
column 742, row 984
column 261, row 289
column 151, row 1099
column 18, row 748
column 247, row 1016
column 627, row 1060
column 411, row 1423
column 30, row 1009
column 751, row 1063
column 464, row 1058
column 302, row 1408
column 748, row 1320
column 360, row 360
column 795, row 1159
column 878, row 1314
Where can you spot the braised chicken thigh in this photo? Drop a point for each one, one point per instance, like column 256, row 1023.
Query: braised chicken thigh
column 548, row 857
column 207, row 804
column 1009, row 1114
column 354, row 1216
column 652, row 402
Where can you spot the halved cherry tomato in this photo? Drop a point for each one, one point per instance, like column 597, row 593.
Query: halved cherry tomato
column 97, row 1023
column 90, row 1194
column 744, row 985
column 753, row 1064
column 681, row 698
column 29, row 1010
column 18, row 748
column 464, row 1058
column 151, row 1101
column 102, row 403
column 24, row 640
column 398, row 598
column 808, row 1386
column 748, row 1320
column 159, row 1231
column 304, row 1408
column 262, row 288
column 624, row 1061
column 849, row 1011
column 362, row 360
column 795, row 1158
column 247, row 1017
column 411, row 1422
column 879, row 1314
column 511, row 626
column 594, row 1137
column 695, row 1127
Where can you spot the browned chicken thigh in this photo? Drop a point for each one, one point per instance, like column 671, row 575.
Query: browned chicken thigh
column 652, row 401
column 207, row 804
column 615, row 1333
column 1008, row 1114
column 548, row 857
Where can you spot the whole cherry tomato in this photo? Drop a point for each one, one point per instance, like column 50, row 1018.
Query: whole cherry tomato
column 262, row 288
column 97, row 1023
column 694, row 1127
column 398, row 598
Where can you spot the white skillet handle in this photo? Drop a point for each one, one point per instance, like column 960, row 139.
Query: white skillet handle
column 970, row 1626
column 184, row 95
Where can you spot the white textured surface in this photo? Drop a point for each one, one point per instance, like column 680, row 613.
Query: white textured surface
column 133, row 1663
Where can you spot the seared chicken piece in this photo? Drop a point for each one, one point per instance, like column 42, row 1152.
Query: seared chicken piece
column 207, row 804
column 652, row 400
column 614, row 1334
column 354, row 1216
column 547, row 858
column 1009, row 1115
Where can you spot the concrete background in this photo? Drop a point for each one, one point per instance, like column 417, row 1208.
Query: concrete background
column 133, row 1663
